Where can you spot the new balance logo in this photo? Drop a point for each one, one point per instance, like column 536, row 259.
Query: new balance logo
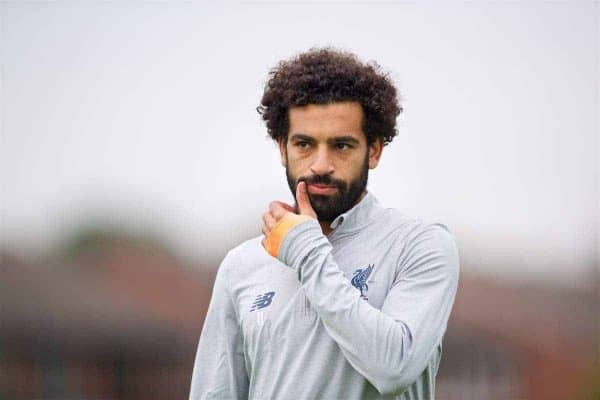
column 262, row 301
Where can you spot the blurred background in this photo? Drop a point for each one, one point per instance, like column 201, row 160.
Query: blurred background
column 132, row 159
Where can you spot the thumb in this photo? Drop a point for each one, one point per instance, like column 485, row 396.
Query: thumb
column 304, row 206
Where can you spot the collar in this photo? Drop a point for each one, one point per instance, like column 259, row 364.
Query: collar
column 359, row 215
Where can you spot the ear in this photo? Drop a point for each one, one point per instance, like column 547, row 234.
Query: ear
column 375, row 150
column 282, row 143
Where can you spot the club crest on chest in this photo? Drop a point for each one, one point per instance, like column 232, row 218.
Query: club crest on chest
column 359, row 280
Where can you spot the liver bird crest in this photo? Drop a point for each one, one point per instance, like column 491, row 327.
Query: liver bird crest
column 359, row 279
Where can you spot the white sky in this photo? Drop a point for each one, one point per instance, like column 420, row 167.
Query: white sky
column 146, row 112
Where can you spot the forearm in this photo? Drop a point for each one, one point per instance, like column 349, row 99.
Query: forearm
column 390, row 351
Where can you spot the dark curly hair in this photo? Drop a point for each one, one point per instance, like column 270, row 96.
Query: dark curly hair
column 326, row 75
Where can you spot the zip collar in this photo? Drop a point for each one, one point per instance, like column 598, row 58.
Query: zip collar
column 358, row 216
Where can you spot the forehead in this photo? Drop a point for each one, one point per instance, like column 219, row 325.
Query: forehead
column 327, row 120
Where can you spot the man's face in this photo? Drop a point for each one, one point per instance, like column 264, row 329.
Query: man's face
column 327, row 148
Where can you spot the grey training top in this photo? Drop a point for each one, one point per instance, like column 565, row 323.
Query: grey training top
column 357, row 314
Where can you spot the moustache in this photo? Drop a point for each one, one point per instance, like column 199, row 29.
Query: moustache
column 323, row 180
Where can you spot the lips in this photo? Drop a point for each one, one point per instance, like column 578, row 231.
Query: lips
column 316, row 188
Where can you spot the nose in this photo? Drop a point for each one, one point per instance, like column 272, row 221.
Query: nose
column 322, row 164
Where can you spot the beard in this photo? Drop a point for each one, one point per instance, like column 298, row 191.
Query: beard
column 328, row 207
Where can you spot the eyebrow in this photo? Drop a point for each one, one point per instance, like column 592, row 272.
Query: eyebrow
column 338, row 139
column 345, row 139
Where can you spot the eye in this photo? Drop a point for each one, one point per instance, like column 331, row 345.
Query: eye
column 303, row 144
column 342, row 146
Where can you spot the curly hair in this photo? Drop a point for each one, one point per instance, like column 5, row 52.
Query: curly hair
column 326, row 75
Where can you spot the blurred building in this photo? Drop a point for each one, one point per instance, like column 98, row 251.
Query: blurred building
column 519, row 343
column 120, row 320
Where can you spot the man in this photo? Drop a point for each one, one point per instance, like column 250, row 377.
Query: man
column 340, row 298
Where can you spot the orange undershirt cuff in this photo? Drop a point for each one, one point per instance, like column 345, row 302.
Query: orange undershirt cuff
column 283, row 226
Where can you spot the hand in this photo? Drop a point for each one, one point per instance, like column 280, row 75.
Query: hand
column 278, row 209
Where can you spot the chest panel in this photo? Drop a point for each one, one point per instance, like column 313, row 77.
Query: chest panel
column 273, row 311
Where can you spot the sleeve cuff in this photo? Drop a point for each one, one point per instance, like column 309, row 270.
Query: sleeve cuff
column 300, row 241
column 281, row 229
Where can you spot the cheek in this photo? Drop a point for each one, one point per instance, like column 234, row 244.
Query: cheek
column 352, row 166
column 299, row 166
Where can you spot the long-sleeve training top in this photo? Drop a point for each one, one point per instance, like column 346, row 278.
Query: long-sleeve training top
column 357, row 314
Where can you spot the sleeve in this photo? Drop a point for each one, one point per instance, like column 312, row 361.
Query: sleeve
column 392, row 346
column 219, row 368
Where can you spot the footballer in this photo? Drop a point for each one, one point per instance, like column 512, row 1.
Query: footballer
column 340, row 297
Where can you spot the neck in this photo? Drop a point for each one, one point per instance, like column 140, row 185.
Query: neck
column 326, row 225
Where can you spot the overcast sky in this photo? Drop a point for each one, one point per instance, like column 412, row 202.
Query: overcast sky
column 145, row 113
